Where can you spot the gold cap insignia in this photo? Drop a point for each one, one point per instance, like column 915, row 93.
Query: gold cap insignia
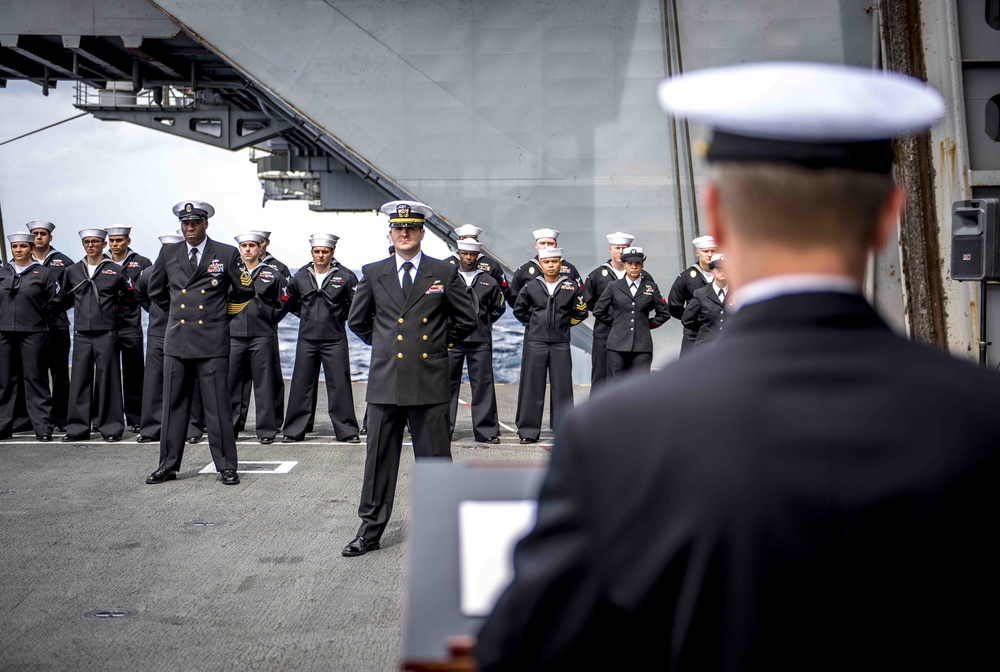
column 188, row 208
column 403, row 210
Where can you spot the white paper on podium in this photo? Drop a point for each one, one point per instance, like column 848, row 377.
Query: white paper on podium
column 487, row 534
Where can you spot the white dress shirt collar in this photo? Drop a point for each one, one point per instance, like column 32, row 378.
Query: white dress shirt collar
column 803, row 283
column 415, row 261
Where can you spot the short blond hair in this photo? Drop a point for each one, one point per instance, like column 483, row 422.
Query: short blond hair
column 800, row 206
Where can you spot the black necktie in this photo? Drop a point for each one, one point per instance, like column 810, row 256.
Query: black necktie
column 722, row 295
column 407, row 279
column 194, row 258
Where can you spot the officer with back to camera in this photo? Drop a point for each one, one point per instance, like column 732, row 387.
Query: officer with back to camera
column 834, row 519
column 200, row 283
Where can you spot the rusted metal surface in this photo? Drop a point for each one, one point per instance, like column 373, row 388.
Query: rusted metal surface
column 918, row 236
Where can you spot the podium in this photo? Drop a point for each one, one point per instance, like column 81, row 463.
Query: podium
column 458, row 510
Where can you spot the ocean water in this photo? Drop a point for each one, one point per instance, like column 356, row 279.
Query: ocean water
column 507, row 336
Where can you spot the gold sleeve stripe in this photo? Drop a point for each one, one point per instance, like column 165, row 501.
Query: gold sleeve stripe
column 235, row 308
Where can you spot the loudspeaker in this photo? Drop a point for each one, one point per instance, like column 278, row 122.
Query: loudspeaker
column 975, row 248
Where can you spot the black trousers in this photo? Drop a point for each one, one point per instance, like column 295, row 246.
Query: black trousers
column 95, row 365
column 621, row 364
column 180, row 379
column 336, row 363
column 21, row 368
column 56, row 364
column 152, row 388
column 485, row 424
column 132, row 364
column 279, row 394
column 537, row 360
column 687, row 343
column 429, row 431
column 252, row 357
column 598, row 363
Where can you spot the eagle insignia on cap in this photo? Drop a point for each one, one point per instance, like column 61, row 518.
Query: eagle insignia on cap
column 403, row 210
column 694, row 273
column 188, row 208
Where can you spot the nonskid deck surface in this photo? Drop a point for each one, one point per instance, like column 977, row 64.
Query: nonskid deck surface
column 100, row 571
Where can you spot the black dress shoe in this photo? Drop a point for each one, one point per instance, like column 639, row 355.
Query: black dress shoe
column 160, row 476
column 95, row 428
column 76, row 437
column 142, row 438
column 45, row 437
column 364, row 431
column 112, row 438
column 289, row 439
column 193, row 439
column 359, row 546
column 526, row 441
column 229, row 477
column 352, row 439
column 493, row 439
column 266, row 441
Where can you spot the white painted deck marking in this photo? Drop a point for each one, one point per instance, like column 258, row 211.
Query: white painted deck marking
column 505, row 426
column 279, row 467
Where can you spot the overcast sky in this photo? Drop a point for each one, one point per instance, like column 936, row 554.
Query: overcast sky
column 90, row 173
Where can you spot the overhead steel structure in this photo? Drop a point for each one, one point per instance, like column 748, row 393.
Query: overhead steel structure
column 518, row 115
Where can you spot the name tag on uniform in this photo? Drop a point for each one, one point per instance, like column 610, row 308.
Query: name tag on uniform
column 216, row 267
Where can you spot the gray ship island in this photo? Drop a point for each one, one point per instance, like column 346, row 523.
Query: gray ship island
column 512, row 116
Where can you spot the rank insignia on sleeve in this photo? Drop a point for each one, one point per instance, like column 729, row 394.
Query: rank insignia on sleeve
column 245, row 278
column 694, row 273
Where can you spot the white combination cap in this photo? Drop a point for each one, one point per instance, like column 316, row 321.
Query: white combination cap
column 118, row 230
column 468, row 230
column 251, row 236
column 816, row 115
column 93, row 233
column 716, row 260
column 21, row 237
column 549, row 252
column 170, row 239
column 469, row 246
column 193, row 210
column 403, row 214
column 545, row 233
column 40, row 224
column 619, row 238
column 633, row 254
column 323, row 240
column 703, row 242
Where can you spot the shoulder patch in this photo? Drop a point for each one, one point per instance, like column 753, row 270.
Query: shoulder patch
column 694, row 273
column 604, row 272
column 531, row 270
